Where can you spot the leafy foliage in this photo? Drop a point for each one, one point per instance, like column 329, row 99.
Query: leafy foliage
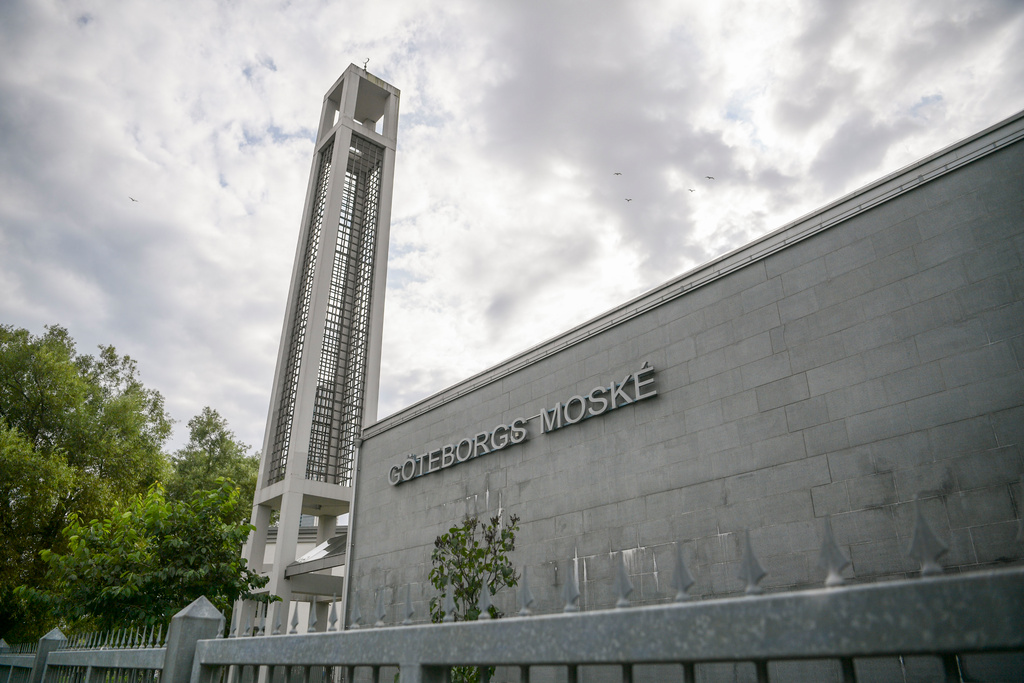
column 469, row 557
column 32, row 487
column 94, row 410
column 464, row 564
column 212, row 452
column 150, row 558
column 77, row 433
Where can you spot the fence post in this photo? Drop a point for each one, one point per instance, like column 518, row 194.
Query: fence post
column 47, row 644
column 199, row 621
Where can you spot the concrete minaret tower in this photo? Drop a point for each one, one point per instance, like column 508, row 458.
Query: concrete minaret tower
column 328, row 365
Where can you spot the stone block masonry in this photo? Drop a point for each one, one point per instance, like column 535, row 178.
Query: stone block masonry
column 852, row 360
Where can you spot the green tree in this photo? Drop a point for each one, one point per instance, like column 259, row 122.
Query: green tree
column 77, row 433
column 467, row 558
column 32, row 484
column 148, row 559
column 212, row 452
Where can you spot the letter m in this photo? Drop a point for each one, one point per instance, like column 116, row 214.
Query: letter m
column 551, row 419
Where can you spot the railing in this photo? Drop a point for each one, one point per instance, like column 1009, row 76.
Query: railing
column 944, row 617
column 956, row 627
column 128, row 656
column 16, row 662
column 125, row 656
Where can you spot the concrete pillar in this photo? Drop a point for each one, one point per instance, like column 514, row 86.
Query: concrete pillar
column 199, row 621
column 287, row 540
column 47, row 644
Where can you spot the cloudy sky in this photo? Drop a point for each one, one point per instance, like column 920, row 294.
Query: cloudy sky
column 508, row 223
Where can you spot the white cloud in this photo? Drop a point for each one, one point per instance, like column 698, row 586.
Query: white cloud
column 508, row 225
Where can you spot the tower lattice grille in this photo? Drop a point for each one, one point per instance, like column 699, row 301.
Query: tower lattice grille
column 338, row 406
column 297, row 335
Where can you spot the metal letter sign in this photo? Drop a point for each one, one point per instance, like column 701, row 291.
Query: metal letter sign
column 635, row 387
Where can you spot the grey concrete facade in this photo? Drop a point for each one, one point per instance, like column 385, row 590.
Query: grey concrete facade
column 865, row 354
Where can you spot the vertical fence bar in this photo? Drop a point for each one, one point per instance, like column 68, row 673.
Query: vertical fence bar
column 951, row 668
column 848, row 671
column 689, row 672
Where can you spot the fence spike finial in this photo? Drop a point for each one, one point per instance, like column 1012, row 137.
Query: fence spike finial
column 357, row 616
column 294, row 623
column 262, row 631
column 277, row 620
column 571, row 593
column 832, row 557
column 1020, row 522
column 682, row 579
column 332, row 618
column 526, row 599
column 484, row 603
column 409, row 611
column 449, row 604
column 751, row 570
column 381, row 612
column 311, row 623
column 623, row 586
column 925, row 546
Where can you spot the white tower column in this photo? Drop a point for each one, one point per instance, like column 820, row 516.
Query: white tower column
column 326, row 381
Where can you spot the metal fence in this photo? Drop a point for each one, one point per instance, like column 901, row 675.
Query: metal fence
column 821, row 634
column 15, row 664
column 125, row 656
column 956, row 627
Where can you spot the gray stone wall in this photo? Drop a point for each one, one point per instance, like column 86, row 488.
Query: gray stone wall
column 875, row 361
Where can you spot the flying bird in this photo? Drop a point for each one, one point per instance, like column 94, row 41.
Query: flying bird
column 132, row 198
column 628, row 199
column 710, row 177
column 691, row 190
column 616, row 173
